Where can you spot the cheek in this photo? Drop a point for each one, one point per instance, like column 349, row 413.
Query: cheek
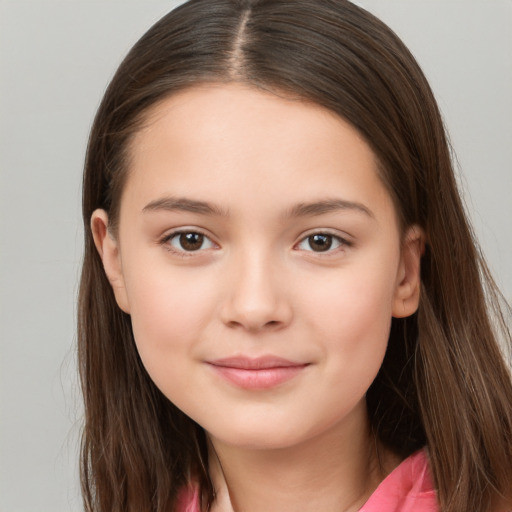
column 351, row 316
column 169, row 312
column 357, row 299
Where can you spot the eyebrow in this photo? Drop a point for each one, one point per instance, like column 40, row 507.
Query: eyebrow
column 299, row 210
column 327, row 206
column 185, row 205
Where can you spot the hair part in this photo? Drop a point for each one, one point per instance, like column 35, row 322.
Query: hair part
column 443, row 382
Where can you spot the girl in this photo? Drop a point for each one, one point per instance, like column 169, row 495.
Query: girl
column 282, row 305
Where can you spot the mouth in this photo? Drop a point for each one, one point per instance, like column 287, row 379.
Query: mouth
column 257, row 373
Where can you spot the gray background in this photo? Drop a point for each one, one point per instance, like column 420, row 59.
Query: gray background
column 56, row 58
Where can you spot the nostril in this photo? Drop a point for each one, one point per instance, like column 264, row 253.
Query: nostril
column 272, row 324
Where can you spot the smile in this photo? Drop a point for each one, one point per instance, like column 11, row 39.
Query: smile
column 257, row 374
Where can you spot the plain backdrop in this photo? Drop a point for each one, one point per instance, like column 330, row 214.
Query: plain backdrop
column 56, row 58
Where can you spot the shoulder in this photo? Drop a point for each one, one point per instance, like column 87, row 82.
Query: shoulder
column 188, row 500
column 408, row 488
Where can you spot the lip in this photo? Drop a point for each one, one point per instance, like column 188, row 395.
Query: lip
column 257, row 373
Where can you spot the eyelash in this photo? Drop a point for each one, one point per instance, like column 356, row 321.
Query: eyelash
column 167, row 242
column 339, row 242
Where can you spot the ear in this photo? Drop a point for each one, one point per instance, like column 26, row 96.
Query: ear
column 108, row 250
column 407, row 292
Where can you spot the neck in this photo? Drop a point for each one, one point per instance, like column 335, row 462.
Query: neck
column 336, row 471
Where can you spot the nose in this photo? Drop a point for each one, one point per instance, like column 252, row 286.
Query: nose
column 257, row 298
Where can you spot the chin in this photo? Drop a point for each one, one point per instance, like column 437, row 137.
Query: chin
column 257, row 441
column 267, row 434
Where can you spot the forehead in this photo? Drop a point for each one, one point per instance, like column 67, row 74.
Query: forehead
column 216, row 111
column 234, row 142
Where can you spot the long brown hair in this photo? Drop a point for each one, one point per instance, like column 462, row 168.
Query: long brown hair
column 444, row 382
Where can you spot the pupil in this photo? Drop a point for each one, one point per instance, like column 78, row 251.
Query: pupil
column 191, row 241
column 320, row 242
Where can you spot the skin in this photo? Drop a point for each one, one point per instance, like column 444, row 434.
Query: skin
column 259, row 285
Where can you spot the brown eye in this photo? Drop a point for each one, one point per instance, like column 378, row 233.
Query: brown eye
column 320, row 242
column 189, row 241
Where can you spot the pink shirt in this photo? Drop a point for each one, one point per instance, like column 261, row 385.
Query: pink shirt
column 409, row 488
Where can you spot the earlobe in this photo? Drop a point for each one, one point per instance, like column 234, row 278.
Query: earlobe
column 108, row 250
column 407, row 292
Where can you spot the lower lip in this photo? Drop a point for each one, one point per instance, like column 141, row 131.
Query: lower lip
column 264, row 378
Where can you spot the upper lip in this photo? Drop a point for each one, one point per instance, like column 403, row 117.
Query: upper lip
column 255, row 363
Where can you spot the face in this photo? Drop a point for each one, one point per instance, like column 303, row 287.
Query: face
column 259, row 256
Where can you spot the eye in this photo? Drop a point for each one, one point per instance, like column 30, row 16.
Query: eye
column 188, row 241
column 321, row 242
